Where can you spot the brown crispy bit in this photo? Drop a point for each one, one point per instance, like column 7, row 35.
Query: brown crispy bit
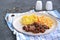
column 25, row 28
column 32, row 28
column 45, row 26
column 42, row 30
column 37, row 31
column 36, row 24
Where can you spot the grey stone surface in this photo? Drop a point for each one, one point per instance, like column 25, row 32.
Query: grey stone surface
column 5, row 32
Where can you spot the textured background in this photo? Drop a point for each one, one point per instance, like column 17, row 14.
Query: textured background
column 25, row 5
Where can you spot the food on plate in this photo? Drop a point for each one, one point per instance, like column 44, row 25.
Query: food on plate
column 45, row 20
column 26, row 20
column 36, row 24
column 35, row 28
column 29, row 19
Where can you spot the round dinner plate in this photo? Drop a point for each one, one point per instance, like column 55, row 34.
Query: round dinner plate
column 19, row 27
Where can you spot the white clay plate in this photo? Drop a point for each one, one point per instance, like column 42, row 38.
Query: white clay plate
column 18, row 26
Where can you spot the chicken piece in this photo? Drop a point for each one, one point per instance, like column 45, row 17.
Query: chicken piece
column 42, row 30
column 32, row 28
column 37, row 31
column 45, row 26
column 26, row 28
column 36, row 24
